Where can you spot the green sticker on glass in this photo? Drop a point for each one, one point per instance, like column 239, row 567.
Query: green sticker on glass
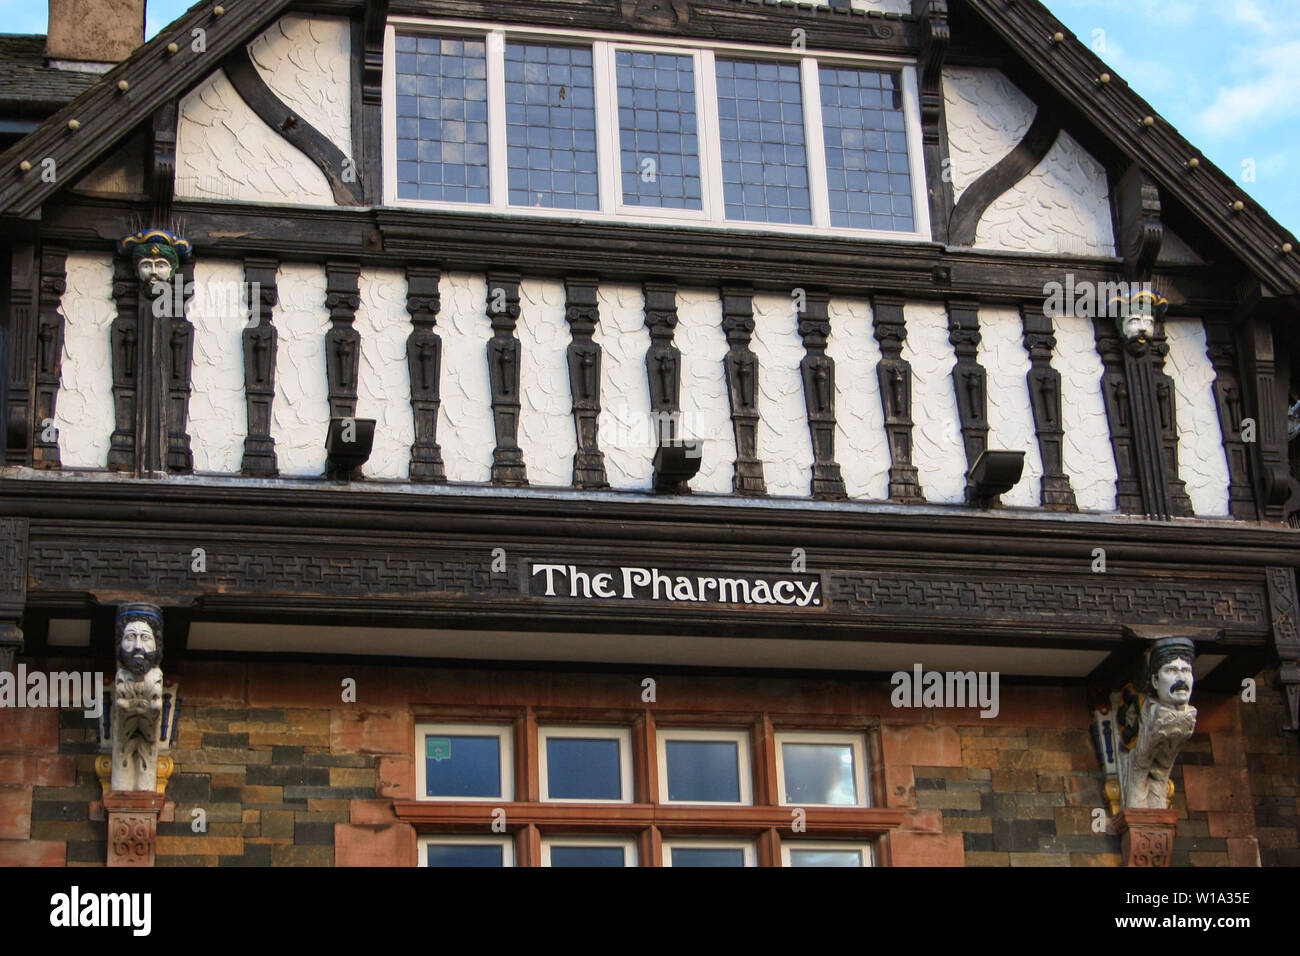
column 437, row 748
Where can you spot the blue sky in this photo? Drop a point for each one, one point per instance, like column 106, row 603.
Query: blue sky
column 1226, row 73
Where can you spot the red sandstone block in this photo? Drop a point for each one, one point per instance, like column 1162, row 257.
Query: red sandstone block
column 1218, row 713
column 1243, row 851
column 921, row 746
column 37, row 771
column 373, row 812
column 900, row 786
column 357, row 845
column 924, row 821
column 908, row 848
column 27, row 730
column 212, row 682
column 1217, row 788
column 1229, row 749
column 286, row 685
column 396, row 777
column 32, row 853
column 372, row 732
column 1231, row 824
column 1054, row 707
column 15, row 813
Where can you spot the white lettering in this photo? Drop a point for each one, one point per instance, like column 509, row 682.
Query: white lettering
column 549, row 570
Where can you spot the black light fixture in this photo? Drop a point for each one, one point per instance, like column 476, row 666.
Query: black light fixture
column 347, row 447
column 676, row 462
column 994, row 473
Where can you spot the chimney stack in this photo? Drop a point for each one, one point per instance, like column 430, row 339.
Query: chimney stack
column 93, row 32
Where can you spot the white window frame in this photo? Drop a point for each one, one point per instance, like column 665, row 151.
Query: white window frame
column 507, row 854
column 738, row 737
column 864, row 849
column 622, row 734
column 627, row 844
column 705, row 843
column 856, row 741
column 503, row 732
column 609, row 177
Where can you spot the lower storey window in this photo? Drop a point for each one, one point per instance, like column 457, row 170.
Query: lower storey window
column 826, row 854
column 588, row 851
column 472, row 851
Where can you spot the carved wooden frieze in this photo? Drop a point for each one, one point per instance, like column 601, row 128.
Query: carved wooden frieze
column 1180, row 504
column 818, row 372
column 23, row 278
column 1228, row 400
column 895, row 376
column 49, row 355
column 663, row 360
column 741, row 366
column 260, row 343
column 342, row 341
column 179, row 366
column 1115, row 396
column 124, row 340
column 424, row 364
column 1284, row 606
column 503, row 373
column 969, row 382
column 584, row 355
column 1044, row 384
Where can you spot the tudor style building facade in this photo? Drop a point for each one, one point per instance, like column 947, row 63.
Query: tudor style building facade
column 542, row 434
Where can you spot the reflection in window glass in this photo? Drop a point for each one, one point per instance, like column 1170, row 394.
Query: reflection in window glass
column 703, row 770
column 550, row 126
column 586, row 856
column 866, row 149
column 764, row 156
column 466, row 854
column 460, row 766
column 708, row 856
column 583, row 769
column 657, row 131
column 825, row 858
column 819, row 774
column 442, row 119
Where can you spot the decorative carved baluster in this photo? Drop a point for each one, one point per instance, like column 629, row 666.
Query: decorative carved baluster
column 124, row 340
column 663, row 360
column 895, row 376
column 23, row 280
column 424, row 363
column 342, row 341
column 260, row 344
column 1044, row 384
column 180, row 457
column 969, row 382
column 582, row 314
column 49, row 355
column 1180, row 504
column 503, row 373
column 1228, row 400
column 742, row 387
column 1115, row 396
column 818, row 372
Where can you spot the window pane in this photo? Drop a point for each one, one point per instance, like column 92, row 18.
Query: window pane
column 657, row 130
column 708, row 856
column 819, row 773
column 462, row 766
column 866, row 149
column 764, row 156
column 702, row 770
column 466, row 854
column 823, row 858
column 583, row 769
column 550, row 126
column 442, row 119
column 586, row 856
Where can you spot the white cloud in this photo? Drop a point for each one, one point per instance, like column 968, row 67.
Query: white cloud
column 1266, row 98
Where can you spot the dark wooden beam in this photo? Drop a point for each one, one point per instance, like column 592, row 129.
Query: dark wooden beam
column 49, row 355
column 1008, row 171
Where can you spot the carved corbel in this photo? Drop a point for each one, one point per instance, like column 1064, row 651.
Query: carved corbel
column 935, row 38
column 1044, row 384
column 342, row 341
column 370, row 153
column 895, row 376
column 818, row 372
column 583, row 314
column 741, row 366
column 260, row 342
column 424, row 364
column 1138, row 227
column 49, row 355
column 503, row 374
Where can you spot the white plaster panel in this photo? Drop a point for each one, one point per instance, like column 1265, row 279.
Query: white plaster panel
column 784, row 445
column 465, row 429
column 627, row 435
column 224, row 151
column 1063, row 206
column 306, row 61
column 300, row 414
column 83, row 412
column 987, row 116
column 218, row 422
column 706, row 407
column 546, row 431
column 937, row 449
column 1202, row 462
column 383, row 379
column 861, row 445
column 1011, row 417
column 1087, row 454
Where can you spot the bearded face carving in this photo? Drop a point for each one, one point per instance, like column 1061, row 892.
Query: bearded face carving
column 137, row 698
column 1165, row 719
column 153, row 269
column 1138, row 327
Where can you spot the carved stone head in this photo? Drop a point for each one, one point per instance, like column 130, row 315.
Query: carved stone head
column 1138, row 327
column 139, row 638
column 157, row 254
column 1169, row 671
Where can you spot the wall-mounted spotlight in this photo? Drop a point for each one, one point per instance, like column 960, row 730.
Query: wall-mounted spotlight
column 347, row 447
column 994, row 473
column 676, row 462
